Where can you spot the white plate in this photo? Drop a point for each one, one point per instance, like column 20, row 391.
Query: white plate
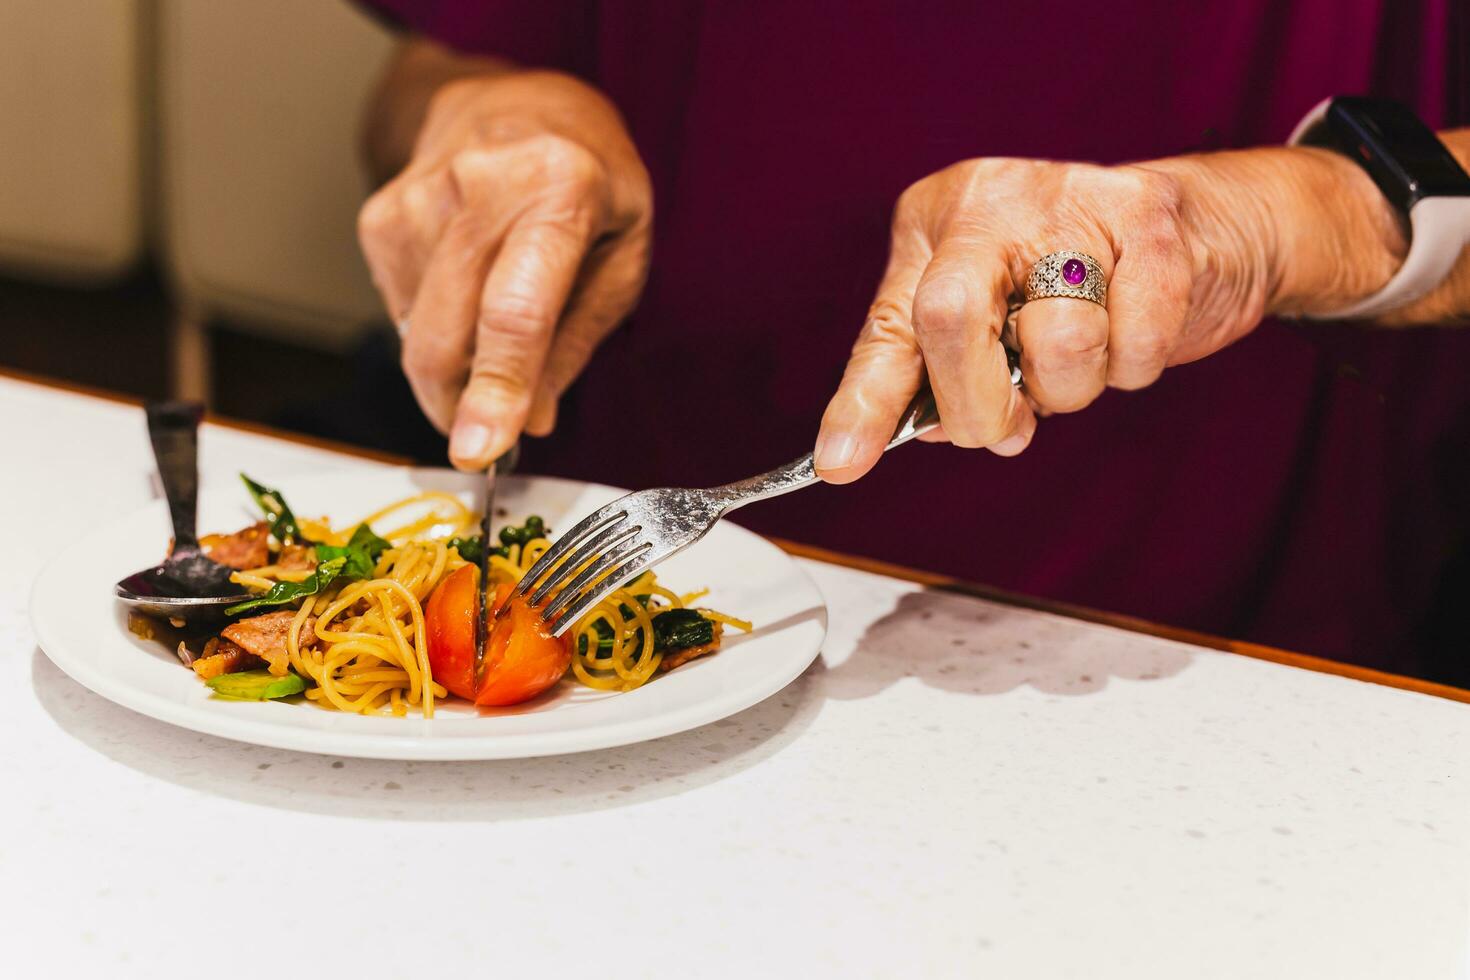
column 84, row 631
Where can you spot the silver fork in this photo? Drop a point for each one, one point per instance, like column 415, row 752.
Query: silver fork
column 636, row 532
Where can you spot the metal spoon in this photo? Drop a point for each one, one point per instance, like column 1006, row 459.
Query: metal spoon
column 188, row 586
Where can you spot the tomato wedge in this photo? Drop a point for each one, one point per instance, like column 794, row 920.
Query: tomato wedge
column 522, row 658
column 449, row 626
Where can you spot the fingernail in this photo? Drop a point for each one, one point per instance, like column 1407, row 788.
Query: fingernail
column 834, row 451
column 470, row 442
column 1011, row 445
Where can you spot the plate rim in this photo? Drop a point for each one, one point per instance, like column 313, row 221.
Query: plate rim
column 374, row 745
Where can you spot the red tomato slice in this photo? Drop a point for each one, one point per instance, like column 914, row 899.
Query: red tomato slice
column 522, row 658
column 449, row 626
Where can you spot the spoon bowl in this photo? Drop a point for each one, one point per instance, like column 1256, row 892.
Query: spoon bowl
column 191, row 591
column 188, row 586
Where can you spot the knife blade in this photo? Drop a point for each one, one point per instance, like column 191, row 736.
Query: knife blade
column 503, row 465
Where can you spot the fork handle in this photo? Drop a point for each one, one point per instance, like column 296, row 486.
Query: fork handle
column 920, row 416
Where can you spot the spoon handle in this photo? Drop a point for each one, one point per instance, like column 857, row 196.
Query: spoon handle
column 173, row 428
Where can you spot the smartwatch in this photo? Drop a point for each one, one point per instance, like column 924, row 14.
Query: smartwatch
column 1420, row 178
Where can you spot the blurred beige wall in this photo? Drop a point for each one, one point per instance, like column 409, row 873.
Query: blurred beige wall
column 258, row 117
column 221, row 133
column 72, row 81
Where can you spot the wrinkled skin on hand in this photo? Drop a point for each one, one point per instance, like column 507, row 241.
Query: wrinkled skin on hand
column 1191, row 249
column 514, row 241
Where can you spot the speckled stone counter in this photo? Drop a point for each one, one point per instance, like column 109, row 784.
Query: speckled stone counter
column 955, row 788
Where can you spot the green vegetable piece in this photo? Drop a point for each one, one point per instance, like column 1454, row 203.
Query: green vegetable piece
column 364, row 538
column 354, row 560
column 679, row 629
column 604, row 637
column 276, row 510
column 469, row 548
column 360, row 554
column 513, row 534
column 284, row 592
column 256, row 685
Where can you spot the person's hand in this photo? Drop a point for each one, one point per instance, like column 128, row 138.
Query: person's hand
column 513, row 242
column 1195, row 251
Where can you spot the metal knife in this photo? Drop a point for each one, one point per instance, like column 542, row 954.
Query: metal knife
column 504, row 465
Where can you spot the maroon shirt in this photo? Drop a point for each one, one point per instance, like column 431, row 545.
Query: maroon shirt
column 1297, row 488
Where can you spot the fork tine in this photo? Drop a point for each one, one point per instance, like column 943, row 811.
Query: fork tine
column 592, row 597
column 591, row 576
column 606, row 540
column 598, row 520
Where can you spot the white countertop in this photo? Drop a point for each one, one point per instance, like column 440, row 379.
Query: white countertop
column 955, row 788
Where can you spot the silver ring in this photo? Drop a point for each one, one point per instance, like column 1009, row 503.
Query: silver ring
column 1075, row 275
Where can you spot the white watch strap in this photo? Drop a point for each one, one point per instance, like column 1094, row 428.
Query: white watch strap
column 1439, row 228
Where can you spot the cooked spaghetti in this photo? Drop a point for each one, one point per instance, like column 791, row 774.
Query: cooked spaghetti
column 355, row 634
column 371, row 651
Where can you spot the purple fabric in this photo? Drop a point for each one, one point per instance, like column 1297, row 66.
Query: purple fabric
column 1296, row 489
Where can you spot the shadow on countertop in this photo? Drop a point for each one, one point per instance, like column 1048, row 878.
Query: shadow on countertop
column 973, row 646
column 509, row 789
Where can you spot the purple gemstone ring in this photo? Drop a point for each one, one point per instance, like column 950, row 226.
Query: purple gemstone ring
column 1075, row 275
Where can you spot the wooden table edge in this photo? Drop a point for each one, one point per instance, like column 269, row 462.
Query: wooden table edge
column 1133, row 624
column 255, row 428
column 934, row 580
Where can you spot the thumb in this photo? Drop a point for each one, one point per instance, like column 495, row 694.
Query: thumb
column 883, row 372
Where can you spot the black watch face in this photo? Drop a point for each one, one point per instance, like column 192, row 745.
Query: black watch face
column 1404, row 158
